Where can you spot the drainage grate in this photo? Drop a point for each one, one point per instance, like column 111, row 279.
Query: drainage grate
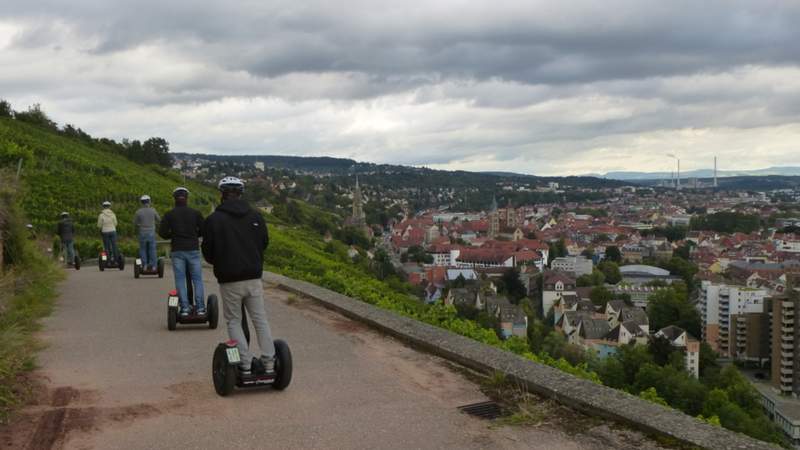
column 485, row 410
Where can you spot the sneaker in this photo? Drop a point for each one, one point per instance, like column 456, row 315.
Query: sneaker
column 244, row 372
column 184, row 313
column 201, row 311
column 269, row 363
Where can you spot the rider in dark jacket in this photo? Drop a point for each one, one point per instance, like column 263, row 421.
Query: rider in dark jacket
column 234, row 240
column 184, row 226
column 66, row 232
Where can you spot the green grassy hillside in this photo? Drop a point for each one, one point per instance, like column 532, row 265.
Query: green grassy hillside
column 64, row 174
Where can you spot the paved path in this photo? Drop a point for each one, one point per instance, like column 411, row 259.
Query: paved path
column 115, row 377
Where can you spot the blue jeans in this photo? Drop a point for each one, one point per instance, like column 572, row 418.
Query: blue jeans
column 110, row 245
column 147, row 249
column 181, row 261
column 69, row 246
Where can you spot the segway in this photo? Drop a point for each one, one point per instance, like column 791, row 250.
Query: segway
column 173, row 317
column 226, row 374
column 76, row 262
column 104, row 261
column 139, row 270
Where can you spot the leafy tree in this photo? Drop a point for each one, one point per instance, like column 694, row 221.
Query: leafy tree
column 36, row 116
column 613, row 254
column 596, row 278
column 537, row 332
column 707, row 359
column 5, row 109
column 676, row 386
column 726, row 222
column 612, row 373
column 632, row 358
column 156, row 151
column 513, row 286
column 672, row 233
column 661, row 349
column 557, row 249
column 611, row 271
column 651, row 395
column 684, row 251
column 382, row 265
column 353, row 236
column 294, row 213
column 600, row 295
column 417, row 254
column 666, row 307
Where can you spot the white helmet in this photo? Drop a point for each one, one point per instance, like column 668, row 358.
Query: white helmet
column 106, row 204
column 231, row 184
column 180, row 191
column 144, row 198
column 64, row 214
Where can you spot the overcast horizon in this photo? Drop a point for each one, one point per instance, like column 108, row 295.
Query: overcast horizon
column 526, row 87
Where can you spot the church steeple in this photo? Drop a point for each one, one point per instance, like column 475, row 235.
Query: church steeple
column 359, row 217
column 494, row 220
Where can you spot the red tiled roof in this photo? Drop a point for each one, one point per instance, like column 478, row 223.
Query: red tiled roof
column 483, row 255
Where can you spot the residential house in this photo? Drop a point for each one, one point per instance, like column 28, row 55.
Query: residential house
column 555, row 284
column 678, row 337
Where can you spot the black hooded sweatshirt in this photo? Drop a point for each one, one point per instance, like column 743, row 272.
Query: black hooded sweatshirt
column 234, row 239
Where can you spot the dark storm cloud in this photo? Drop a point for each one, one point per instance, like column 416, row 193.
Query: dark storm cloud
column 529, row 44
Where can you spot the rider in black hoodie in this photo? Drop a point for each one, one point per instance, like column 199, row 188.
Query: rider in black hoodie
column 234, row 239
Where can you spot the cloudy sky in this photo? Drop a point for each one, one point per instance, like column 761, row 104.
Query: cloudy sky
column 538, row 87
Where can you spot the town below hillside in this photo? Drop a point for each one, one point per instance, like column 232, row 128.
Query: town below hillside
column 680, row 293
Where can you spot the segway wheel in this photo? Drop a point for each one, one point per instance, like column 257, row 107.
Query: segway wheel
column 223, row 373
column 77, row 263
column 172, row 318
column 160, row 268
column 121, row 262
column 283, row 365
column 136, row 270
column 213, row 311
column 100, row 264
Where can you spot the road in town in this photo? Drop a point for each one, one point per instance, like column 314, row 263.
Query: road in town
column 112, row 376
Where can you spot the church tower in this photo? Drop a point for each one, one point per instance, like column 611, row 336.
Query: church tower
column 494, row 220
column 359, row 218
column 511, row 216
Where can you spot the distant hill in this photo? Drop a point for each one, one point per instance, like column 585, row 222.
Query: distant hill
column 454, row 178
column 701, row 173
column 305, row 163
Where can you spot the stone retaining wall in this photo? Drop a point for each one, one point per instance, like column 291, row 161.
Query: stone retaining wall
column 577, row 393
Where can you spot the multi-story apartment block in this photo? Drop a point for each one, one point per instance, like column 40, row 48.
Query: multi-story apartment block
column 785, row 348
column 722, row 304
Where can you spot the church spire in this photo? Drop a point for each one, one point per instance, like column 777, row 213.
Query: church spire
column 359, row 217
